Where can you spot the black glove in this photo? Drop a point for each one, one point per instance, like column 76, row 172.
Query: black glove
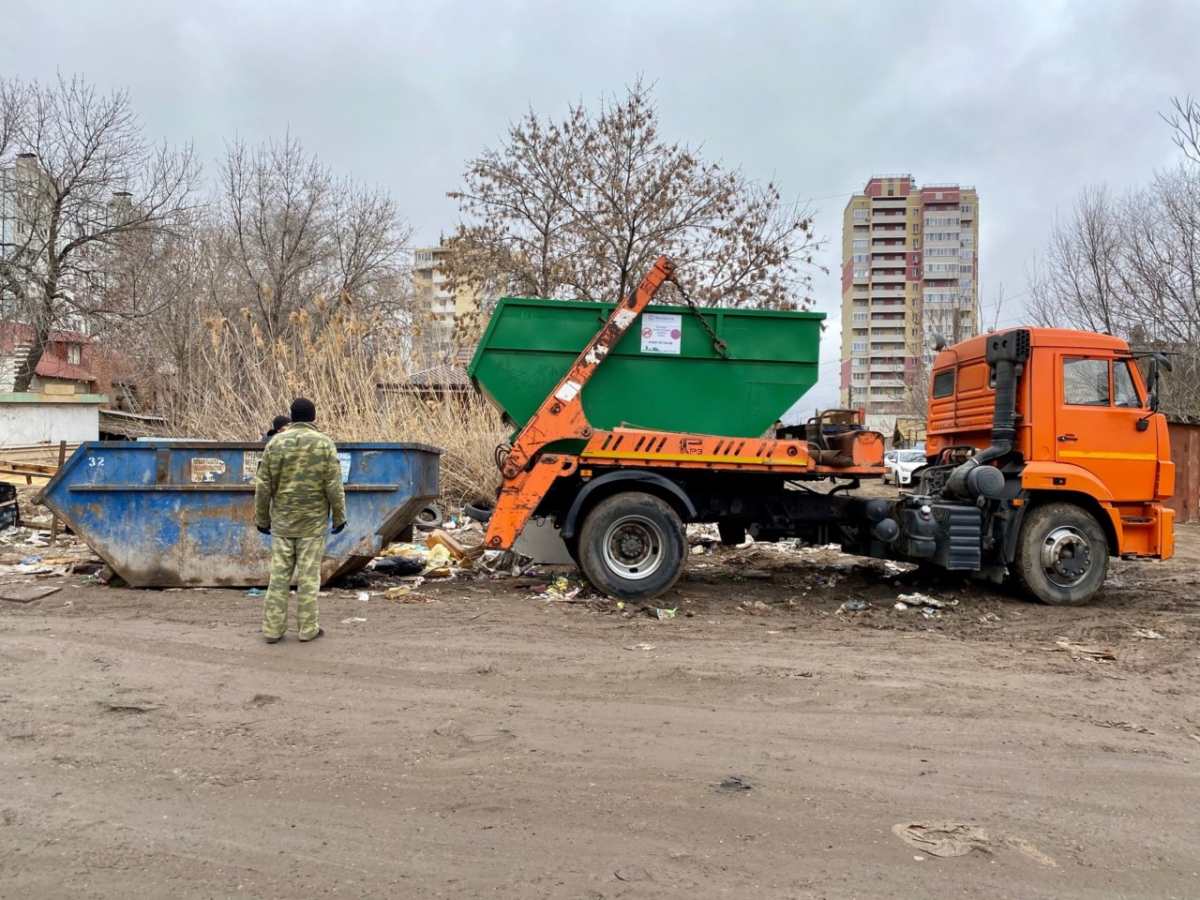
column 261, row 530
column 338, row 529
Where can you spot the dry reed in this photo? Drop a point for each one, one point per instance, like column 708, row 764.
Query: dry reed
column 359, row 374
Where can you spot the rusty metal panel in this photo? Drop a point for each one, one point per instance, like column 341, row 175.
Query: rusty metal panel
column 180, row 513
column 1185, row 453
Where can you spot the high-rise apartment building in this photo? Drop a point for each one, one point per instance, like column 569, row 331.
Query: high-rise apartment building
column 435, row 306
column 909, row 272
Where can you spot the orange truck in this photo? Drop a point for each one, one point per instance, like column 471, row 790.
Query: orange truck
column 1046, row 457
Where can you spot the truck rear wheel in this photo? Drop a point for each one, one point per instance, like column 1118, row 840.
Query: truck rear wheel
column 632, row 546
column 1062, row 555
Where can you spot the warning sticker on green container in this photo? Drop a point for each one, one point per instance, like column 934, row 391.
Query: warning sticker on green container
column 661, row 332
column 344, row 460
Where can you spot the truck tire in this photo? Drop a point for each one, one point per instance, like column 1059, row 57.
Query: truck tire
column 632, row 546
column 1062, row 555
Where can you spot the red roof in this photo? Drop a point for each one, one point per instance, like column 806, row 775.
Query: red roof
column 13, row 333
column 52, row 367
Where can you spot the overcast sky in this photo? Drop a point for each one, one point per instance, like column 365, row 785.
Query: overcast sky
column 1027, row 101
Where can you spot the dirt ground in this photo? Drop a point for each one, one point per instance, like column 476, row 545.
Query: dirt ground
column 489, row 743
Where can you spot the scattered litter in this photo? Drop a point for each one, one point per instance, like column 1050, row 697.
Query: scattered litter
column 456, row 550
column 1031, row 851
column 559, row 591
column 31, row 560
column 663, row 614
column 1079, row 651
column 364, row 596
column 900, row 605
column 917, row 599
column 439, row 556
column 944, row 839
column 1148, row 634
column 255, row 592
column 853, row 606
column 758, row 607
column 407, row 594
column 352, row 620
column 1124, row 726
column 399, row 565
column 26, row 594
column 641, row 647
column 93, row 578
column 633, row 873
column 930, row 612
column 734, row 784
column 416, row 551
column 130, row 707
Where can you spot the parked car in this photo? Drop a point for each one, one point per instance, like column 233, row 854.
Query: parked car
column 903, row 466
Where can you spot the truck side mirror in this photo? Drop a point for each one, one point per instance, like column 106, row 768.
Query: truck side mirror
column 1152, row 377
column 1153, row 400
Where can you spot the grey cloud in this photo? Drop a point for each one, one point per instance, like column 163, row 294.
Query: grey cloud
column 1028, row 101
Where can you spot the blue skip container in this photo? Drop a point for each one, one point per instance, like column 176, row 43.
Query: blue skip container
column 168, row 513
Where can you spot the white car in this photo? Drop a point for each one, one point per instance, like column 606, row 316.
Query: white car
column 902, row 467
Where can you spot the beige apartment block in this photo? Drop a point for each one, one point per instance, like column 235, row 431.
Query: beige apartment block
column 910, row 272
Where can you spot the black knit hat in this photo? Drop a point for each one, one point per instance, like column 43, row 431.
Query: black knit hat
column 280, row 421
column 304, row 410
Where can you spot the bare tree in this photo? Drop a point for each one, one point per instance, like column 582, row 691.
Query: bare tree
column 296, row 233
column 1131, row 266
column 78, row 177
column 581, row 207
column 1078, row 282
column 184, row 276
column 1184, row 119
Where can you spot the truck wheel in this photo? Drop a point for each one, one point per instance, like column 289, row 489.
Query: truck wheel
column 632, row 546
column 1062, row 555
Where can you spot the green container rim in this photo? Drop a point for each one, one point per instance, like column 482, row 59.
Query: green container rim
column 717, row 311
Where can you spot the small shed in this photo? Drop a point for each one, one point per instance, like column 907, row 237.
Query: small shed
column 1185, row 453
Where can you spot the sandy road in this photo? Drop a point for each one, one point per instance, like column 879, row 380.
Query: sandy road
column 489, row 744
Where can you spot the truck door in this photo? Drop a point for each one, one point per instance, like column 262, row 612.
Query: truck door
column 1098, row 410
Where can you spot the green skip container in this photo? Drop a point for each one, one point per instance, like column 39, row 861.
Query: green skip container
column 664, row 374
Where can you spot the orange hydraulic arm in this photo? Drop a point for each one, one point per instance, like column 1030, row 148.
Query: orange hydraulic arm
column 561, row 417
column 561, row 414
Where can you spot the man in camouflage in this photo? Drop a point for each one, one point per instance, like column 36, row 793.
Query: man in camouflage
column 299, row 486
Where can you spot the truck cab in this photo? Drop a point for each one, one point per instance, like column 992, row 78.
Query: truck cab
column 1083, row 469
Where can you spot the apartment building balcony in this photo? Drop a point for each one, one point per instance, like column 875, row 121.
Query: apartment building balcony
column 880, row 203
column 887, row 304
column 888, row 278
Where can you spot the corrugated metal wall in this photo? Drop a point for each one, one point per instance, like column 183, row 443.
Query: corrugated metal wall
column 1185, row 453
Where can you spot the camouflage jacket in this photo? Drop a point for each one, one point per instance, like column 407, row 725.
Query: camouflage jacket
column 299, row 484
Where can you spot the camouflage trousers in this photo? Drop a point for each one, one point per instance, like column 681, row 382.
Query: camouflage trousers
column 298, row 558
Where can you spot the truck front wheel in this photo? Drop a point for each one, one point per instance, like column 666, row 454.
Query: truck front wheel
column 632, row 546
column 1062, row 555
